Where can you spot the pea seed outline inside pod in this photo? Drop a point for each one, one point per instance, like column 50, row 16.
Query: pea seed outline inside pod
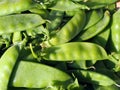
column 81, row 51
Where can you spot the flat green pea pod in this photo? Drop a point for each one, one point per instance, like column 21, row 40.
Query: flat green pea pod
column 95, row 29
column 92, row 77
column 92, row 17
column 67, row 5
column 36, row 75
column 81, row 51
column 114, row 42
column 19, row 22
column 69, row 31
column 111, row 87
column 7, row 63
column 14, row 6
column 96, row 4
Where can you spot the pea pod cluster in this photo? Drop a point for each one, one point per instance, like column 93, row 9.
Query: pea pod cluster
column 59, row 45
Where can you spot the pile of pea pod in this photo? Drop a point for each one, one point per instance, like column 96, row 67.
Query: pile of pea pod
column 59, row 45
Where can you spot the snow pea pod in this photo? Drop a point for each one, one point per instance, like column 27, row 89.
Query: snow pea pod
column 19, row 22
column 95, row 29
column 102, row 38
column 36, row 75
column 93, row 77
column 7, row 62
column 81, row 51
column 92, row 17
column 14, row 6
column 96, row 4
column 114, row 42
column 67, row 5
column 69, row 31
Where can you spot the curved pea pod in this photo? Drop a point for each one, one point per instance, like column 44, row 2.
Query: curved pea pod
column 67, row 5
column 69, row 31
column 14, row 6
column 19, row 22
column 36, row 75
column 7, row 63
column 102, row 38
column 95, row 29
column 93, row 77
column 114, row 42
column 92, row 17
column 96, row 4
column 81, row 51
